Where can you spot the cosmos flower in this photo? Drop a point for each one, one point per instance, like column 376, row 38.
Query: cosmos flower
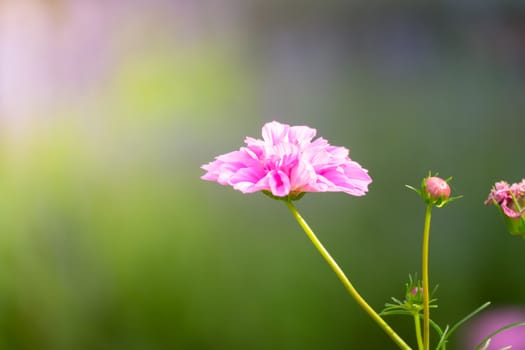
column 288, row 162
column 510, row 199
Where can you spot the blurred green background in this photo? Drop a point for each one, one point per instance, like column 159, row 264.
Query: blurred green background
column 109, row 239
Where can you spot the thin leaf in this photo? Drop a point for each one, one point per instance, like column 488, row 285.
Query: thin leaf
column 397, row 301
column 447, row 333
column 486, row 345
column 443, row 338
column 468, row 317
column 411, row 188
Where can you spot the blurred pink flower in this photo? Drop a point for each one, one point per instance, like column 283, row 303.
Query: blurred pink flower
column 287, row 162
column 503, row 195
column 488, row 322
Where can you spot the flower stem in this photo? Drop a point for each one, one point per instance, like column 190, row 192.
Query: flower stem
column 424, row 273
column 417, row 323
column 346, row 282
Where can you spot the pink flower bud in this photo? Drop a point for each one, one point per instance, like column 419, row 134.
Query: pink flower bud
column 437, row 188
column 414, row 291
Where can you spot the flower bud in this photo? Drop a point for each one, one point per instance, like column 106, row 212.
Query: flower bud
column 437, row 188
column 414, row 294
column 435, row 191
column 416, row 290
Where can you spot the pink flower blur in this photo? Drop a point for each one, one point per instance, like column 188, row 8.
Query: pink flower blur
column 503, row 194
column 490, row 321
column 287, row 162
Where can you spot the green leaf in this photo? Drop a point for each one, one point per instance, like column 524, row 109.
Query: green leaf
column 413, row 189
column 445, row 337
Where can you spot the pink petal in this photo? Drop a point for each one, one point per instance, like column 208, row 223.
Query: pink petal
column 279, row 183
column 338, row 152
column 511, row 213
column 355, row 172
column 249, row 175
column 303, row 177
column 356, row 184
column 287, row 160
column 301, row 135
column 274, row 132
column 227, row 165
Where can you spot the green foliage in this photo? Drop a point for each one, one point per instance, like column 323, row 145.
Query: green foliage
column 413, row 306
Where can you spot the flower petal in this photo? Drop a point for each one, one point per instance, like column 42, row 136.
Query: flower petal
column 279, row 183
column 510, row 212
column 288, row 161
column 301, row 135
column 274, row 132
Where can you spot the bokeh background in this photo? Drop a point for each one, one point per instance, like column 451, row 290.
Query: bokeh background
column 109, row 239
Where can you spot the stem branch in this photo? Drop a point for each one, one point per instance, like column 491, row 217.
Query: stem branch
column 424, row 273
column 417, row 323
column 346, row 282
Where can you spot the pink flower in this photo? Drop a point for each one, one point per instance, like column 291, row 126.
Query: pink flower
column 511, row 199
column 490, row 321
column 287, row 162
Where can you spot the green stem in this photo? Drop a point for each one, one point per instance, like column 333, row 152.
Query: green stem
column 417, row 323
column 346, row 282
column 424, row 273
